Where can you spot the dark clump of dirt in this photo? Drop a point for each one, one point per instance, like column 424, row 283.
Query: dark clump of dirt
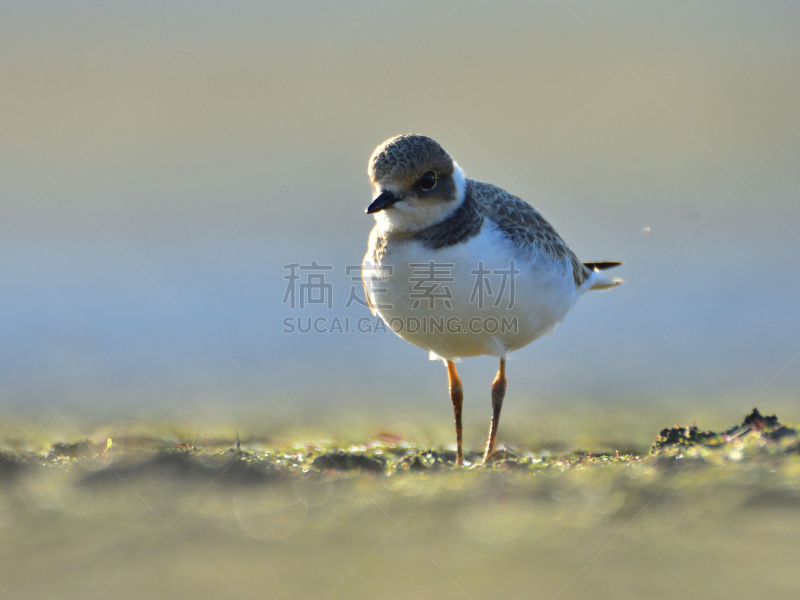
column 226, row 468
column 11, row 466
column 684, row 436
column 765, row 428
column 770, row 426
column 755, row 418
column 348, row 461
column 433, row 460
column 69, row 450
column 420, row 462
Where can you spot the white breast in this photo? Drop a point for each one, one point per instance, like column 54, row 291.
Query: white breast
column 439, row 308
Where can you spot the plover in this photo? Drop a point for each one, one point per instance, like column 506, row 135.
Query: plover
column 438, row 241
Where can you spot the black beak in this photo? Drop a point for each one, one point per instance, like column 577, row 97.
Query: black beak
column 382, row 202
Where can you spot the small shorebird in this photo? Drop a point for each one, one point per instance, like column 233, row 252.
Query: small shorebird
column 438, row 241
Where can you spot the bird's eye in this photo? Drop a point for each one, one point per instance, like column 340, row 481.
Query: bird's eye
column 428, row 181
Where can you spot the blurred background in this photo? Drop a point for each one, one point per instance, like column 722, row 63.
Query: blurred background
column 161, row 164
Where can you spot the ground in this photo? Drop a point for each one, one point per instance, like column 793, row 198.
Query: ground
column 699, row 515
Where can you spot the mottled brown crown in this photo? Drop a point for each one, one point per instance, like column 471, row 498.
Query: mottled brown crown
column 405, row 156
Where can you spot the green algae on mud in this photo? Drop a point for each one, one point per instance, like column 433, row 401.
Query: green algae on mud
column 758, row 438
column 145, row 515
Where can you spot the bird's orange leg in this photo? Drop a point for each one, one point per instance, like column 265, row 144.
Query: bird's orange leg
column 457, row 396
column 498, row 393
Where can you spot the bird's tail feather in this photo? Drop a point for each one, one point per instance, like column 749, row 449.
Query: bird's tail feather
column 598, row 281
column 601, row 266
column 606, row 284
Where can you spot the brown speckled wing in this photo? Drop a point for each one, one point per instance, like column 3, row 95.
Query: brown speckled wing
column 523, row 224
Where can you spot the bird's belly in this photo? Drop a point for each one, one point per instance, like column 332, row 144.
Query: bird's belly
column 470, row 299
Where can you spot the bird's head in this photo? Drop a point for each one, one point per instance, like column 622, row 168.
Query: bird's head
column 417, row 183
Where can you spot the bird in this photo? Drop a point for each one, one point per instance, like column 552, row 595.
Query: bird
column 451, row 260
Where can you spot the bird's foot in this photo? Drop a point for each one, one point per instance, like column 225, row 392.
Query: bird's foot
column 490, row 456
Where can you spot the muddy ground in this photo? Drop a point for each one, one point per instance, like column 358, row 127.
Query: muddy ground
column 700, row 514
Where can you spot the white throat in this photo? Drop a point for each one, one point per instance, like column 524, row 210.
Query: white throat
column 415, row 215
